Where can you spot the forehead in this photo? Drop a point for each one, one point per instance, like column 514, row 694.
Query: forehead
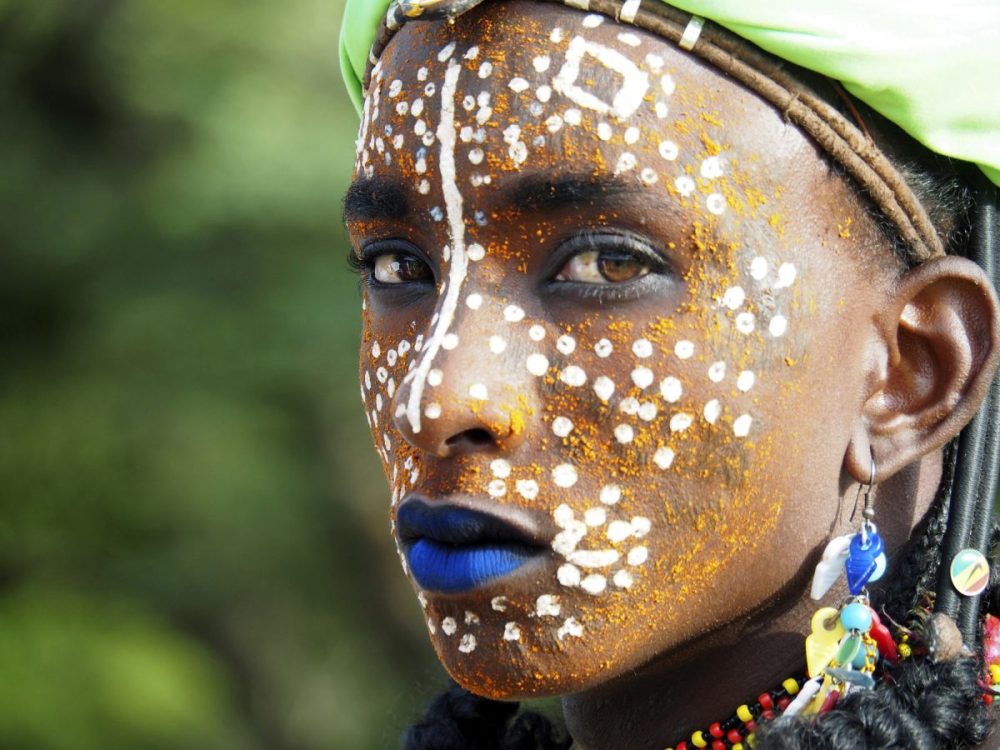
column 538, row 87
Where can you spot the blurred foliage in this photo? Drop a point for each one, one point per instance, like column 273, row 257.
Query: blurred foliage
column 194, row 551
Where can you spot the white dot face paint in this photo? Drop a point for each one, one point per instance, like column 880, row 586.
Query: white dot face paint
column 611, row 419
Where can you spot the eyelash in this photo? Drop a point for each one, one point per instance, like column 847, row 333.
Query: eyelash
column 362, row 263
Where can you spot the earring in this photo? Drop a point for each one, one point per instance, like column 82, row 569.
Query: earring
column 860, row 555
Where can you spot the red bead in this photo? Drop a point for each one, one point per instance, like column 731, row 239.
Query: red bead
column 831, row 700
column 734, row 736
column 751, row 726
column 764, row 699
column 987, row 700
column 767, row 715
column 682, row 745
column 715, row 729
column 783, row 703
column 718, row 745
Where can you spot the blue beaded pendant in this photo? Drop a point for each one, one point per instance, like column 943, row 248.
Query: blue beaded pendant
column 863, row 559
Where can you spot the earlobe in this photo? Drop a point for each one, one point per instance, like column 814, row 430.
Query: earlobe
column 939, row 350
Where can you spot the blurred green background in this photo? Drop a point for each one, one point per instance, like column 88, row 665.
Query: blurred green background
column 194, row 545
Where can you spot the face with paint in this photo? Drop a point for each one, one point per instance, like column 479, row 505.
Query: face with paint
column 607, row 356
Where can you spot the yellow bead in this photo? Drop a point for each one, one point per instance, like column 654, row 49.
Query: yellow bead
column 698, row 739
column 751, row 740
column 743, row 712
column 905, row 650
column 738, row 746
column 995, row 673
column 791, row 686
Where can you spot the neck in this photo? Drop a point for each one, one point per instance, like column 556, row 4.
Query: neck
column 668, row 699
column 699, row 683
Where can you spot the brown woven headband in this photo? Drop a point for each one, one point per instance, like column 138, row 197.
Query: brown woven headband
column 761, row 73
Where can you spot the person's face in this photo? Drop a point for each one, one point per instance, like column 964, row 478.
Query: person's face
column 606, row 363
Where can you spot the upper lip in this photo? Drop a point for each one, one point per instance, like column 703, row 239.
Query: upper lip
column 459, row 522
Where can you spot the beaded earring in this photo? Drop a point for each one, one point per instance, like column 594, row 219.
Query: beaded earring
column 846, row 642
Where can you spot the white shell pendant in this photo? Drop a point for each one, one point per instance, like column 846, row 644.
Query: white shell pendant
column 828, row 569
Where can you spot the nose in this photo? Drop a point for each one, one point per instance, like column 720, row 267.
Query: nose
column 461, row 394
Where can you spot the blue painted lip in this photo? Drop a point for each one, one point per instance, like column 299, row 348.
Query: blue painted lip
column 452, row 549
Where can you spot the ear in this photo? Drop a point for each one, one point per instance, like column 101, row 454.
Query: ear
column 935, row 354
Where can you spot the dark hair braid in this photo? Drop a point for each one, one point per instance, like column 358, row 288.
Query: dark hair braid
column 459, row 720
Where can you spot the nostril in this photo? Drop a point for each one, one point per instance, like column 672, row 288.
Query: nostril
column 476, row 439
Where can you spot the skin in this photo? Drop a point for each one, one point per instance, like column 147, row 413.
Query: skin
column 764, row 345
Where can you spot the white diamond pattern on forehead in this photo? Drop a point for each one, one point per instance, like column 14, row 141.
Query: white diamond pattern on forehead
column 716, row 204
column 624, row 433
column 778, row 326
column 642, row 377
column 746, row 322
column 603, row 348
column 642, row 348
column 479, row 392
column 671, row 389
column 568, row 575
column 536, row 333
column 745, row 380
column 456, row 226
column 497, row 344
column 633, row 87
column 680, row 422
column 734, row 297
column 786, row 276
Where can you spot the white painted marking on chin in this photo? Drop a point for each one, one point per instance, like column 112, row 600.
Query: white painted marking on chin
column 594, row 584
column 471, row 618
column 536, row 332
column 637, row 555
column 497, row 488
column 468, row 643
column 593, row 21
column 511, row 632
column 623, row 579
column 595, row 516
column 717, row 371
column 746, row 322
column 547, row 605
column 568, row 575
column 449, row 626
column 479, row 392
column 570, row 627
column 497, row 344
column 446, row 52
column 716, row 204
column 618, row 531
column 432, row 410
column 746, row 380
column 500, row 467
column 498, row 603
column 642, row 348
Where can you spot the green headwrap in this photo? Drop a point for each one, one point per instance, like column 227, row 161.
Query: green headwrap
column 931, row 68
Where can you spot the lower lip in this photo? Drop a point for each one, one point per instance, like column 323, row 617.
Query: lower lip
column 450, row 569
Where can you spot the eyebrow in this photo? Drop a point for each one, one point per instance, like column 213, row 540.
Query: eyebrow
column 539, row 192
column 375, row 198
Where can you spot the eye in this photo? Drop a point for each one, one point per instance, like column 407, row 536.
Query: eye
column 399, row 268
column 611, row 266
